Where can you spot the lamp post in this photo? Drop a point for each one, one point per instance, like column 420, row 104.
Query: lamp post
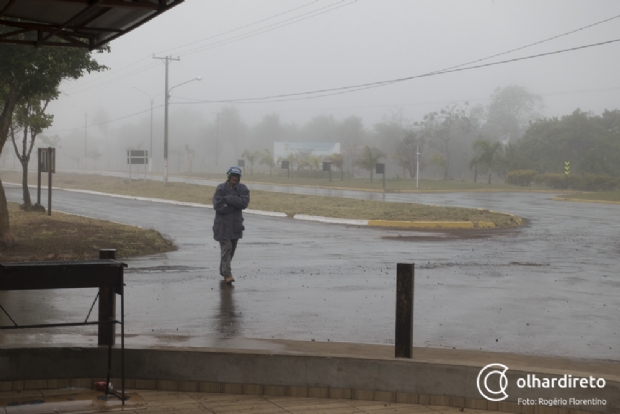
column 151, row 149
column 168, row 90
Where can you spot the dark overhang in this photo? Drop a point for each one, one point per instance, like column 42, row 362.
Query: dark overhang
column 90, row 24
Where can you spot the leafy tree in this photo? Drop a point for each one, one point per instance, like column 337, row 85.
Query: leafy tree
column 442, row 127
column 351, row 132
column 268, row 131
column 590, row 143
column 510, row 111
column 338, row 161
column 322, row 128
column 485, row 156
column 30, row 119
column 232, row 129
column 251, row 156
column 53, row 141
column 24, row 74
column 368, row 159
column 265, row 158
column 95, row 154
column 314, row 161
column 407, row 152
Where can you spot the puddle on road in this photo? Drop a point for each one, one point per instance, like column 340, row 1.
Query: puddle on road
column 454, row 264
column 446, row 235
column 163, row 269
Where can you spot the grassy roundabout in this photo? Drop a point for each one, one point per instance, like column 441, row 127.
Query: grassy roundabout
column 289, row 204
column 69, row 237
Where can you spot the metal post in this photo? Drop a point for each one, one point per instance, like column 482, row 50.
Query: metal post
column 107, row 307
column 49, row 181
column 404, row 310
column 417, row 164
column 384, row 179
column 85, row 137
column 39, row 178
column 151, row 153
column 167, row 97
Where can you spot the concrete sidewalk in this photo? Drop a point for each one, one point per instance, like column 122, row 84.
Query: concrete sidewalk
column 154, row 402
column 261, row 371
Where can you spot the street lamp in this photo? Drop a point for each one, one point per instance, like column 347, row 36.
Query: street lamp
column 166, row 122
column 151, row 150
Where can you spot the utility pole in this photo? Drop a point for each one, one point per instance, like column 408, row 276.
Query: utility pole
column 167, row 95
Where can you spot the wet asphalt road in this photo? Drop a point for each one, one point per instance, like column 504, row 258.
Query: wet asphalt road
column 549, row 288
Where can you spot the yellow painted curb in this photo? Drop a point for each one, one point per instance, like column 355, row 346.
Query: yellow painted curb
column 424, row 224
column 581, row 200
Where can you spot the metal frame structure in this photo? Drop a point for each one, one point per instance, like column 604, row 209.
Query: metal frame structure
column 105, row 274
column 89, row 24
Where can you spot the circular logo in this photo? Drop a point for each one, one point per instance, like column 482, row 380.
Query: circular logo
column 498, row 390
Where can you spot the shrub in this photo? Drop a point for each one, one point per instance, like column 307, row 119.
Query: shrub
column 589, row 182
column 593, row 182
column 554, row 180
column 523, row 178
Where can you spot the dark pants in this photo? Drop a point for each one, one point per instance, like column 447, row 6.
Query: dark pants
column 227, row 249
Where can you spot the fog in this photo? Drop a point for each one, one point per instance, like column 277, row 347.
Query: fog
column 248, row 49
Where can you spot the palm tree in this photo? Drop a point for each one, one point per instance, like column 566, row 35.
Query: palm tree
column 486, row 152
column 250, row 156
column 368, row 159
column 338, row 161
column 266, row 158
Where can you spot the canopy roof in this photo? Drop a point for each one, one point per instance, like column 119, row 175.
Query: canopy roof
column 89, row 24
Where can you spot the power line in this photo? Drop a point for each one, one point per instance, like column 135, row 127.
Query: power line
column 613, row 88
column 147, row 67
column 105, row 122
column 142, row 69
column 269, row 28
column 359, row 87
column 238, row 28
column 536, row 43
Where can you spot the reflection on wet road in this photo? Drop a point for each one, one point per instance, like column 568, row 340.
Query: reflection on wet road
column 551, row 287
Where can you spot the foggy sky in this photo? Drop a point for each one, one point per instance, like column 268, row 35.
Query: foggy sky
column 363, row 41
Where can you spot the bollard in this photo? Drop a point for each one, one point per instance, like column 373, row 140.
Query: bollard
column 404, row 310
column 107, row 307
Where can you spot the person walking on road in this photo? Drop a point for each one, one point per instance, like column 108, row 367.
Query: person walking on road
column 229, row 200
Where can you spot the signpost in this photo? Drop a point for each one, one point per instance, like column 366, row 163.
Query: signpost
column 380, row 169
column 327, row 166
column 284, row 166
column 140, row 157
column 46, row 163
column 566, row 171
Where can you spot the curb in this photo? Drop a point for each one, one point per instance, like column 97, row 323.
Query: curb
column 580, row 200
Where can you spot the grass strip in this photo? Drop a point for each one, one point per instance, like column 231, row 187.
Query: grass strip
column 289, row 204
column 69, row 237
